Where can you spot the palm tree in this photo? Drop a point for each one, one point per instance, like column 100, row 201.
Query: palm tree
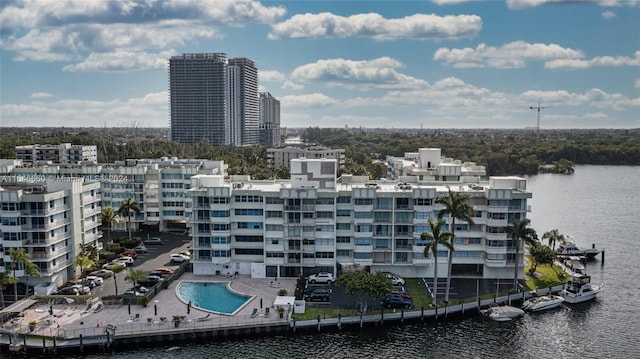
column 109, row 217
column 90, row 251
column 135, row 275
column 30, row 269
column 116, row 269
column 83, row 262
column 4, row 280
column 458, row 205
column 435, row 238
column 19, row 257
column 519, row 230
column 129, row 205
column 553, row 236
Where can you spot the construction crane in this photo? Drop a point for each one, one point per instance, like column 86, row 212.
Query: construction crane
column 538, row 126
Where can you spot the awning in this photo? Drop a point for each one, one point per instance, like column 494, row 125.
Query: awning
column 18, row 306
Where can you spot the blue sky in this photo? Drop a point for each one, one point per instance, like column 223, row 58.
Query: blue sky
column 389, row 64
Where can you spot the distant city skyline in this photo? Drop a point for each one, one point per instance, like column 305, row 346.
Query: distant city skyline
column 375, row 64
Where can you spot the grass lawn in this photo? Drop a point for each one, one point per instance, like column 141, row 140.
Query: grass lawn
column 550, row 275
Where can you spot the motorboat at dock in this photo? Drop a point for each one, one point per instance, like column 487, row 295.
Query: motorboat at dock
column 544, row 302
column 569, row 249
column 579, row 289
column 502, row 313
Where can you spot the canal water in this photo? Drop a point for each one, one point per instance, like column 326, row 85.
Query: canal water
column 597, row 205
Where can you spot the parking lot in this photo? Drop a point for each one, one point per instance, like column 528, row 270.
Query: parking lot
column 158, row 256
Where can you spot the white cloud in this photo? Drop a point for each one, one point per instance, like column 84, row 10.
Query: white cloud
column 271, row 76
column 380, row 73
column 96, row 33
column 118, row 61
column 600, row 61
column 147, row 111
column 608, row 15
column 524, row 4
column 511, row 55
column 372, row 25
column 41, row 95
column 308, row 101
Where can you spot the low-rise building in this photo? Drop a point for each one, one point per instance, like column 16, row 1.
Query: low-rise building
column 281, row 157
column 50, row 219
column 62, row 153
column 316, row 222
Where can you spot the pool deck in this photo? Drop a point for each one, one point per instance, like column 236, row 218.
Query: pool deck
column 70, row 320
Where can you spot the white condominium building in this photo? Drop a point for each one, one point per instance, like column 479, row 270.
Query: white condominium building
column 158, row 185
column 428, row 164
column 50, row 219
column 316, row 222
column 62, row 153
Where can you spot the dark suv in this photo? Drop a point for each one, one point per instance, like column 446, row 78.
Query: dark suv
column 318, row 295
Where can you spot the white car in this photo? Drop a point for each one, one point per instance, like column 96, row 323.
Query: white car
column 95, row 280
column 322, row 277
column 395, row 280
column 111, row 265
column 178, row 258
column 82, row 289
column 104, row 273
column 125, row 260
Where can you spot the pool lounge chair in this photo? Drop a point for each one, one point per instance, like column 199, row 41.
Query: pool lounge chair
column 205, row 318
column 254, row 313
column 266, row 312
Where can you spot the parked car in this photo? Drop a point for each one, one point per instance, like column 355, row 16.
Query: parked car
column 150, row 281
column 102, row 273
column 67, row 291
column 132, row 291
column 317, row 297
column 109, row 266
column 164, row 270
column 153, row 240
column 395, row 280
column 178, row 258
column 396, row 301
column 322, row 277
column 401, row 293
column 311, row 288
column 130, row 253
column 95, row 280
column 82, row 289
column 127, row 261
column 140, row 288
column 186, row 254
column 140, row 249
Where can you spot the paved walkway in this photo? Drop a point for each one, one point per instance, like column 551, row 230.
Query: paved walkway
column 70, row 320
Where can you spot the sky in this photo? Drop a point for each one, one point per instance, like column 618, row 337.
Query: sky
column 350, row 63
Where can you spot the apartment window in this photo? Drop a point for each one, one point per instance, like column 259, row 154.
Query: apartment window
column 220, row 214
column 249, row 225
column 342, row 239
column 249, row 251
column 362, row 241
column 274, row 214
column 364, row 201
column 248, row 212
column 321, row 201
column 343, row 213
column 360, row 255
column 273, row 200
column 343, row 253
column 220, row 200
column 402, row 257
column 220, row 240
column 363, row 215
column 249, row 239
column 323, row 214
column 382, row 243
column 423, row 202
column 343, row 200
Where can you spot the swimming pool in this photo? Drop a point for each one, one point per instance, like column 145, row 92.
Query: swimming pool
column 212, row 297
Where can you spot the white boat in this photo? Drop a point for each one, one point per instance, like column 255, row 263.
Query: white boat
column 502, row 313
column 569, row 248
column 579, row 289
column 574, row 264
column 544, row 302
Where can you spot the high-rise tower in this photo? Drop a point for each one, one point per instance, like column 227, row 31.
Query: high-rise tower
column 197, row 97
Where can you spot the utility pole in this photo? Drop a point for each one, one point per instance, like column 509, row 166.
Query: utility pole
column 538, row 125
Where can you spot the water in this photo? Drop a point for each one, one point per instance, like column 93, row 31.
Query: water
column 598, row 204
column 208, row 296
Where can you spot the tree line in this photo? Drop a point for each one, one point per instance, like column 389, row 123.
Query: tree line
column 502, row 152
